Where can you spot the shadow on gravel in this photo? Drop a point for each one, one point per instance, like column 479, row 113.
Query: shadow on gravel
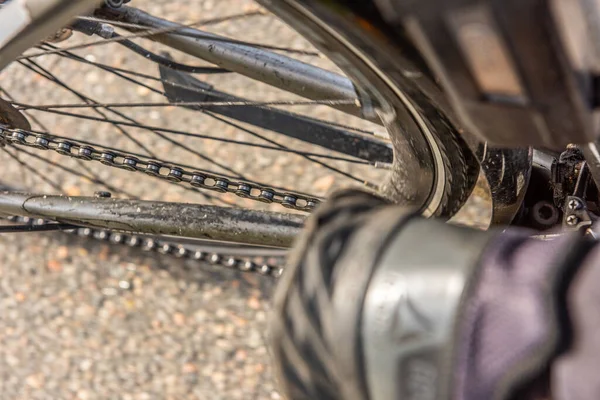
column 106, row 254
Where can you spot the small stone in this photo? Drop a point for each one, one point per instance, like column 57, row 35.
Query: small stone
column 189, row 368
column 85, row 365
column 54, row 266
column 218, row 377
column 62, row 252
column 35, row 381
column 324, row 183
column 109, row 291
column 254, row 303
column 73, row 191
column 103, row 253
column 241, row 355
column 251, row 279
column 12, row 360
column 156, row 324
column 179, row 319
column 142, row 91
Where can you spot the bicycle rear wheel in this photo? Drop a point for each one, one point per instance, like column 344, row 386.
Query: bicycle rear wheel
column 97, row 105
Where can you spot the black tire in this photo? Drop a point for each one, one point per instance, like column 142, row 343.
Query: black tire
column 310, row 361
column 383, row 64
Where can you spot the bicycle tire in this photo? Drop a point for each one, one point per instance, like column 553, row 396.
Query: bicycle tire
column 455, row 163
column 372, row 40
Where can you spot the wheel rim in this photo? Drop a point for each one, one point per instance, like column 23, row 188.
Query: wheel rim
column 366, row 48
column 120, row 124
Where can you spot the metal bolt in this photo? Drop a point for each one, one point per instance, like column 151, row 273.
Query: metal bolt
column 574, row 204
column 114, row 3
column 104, row 195
column 572, row 220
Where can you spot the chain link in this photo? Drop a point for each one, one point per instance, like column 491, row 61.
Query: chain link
column 170, row 172
column 179, row 251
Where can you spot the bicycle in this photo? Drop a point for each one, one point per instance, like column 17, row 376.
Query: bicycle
column 432, row 163
column 447, row 175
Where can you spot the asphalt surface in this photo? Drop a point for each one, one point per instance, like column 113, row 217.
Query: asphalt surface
column 87, row 320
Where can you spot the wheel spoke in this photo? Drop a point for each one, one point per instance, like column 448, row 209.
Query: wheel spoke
column 55, row 185
column 119, row 71
column 137, row 124
column 120, row 75
column 309, row 158
column 153, row 145
column 48, row 75
column 146, row 33
column 96, row 179
column 160, row 60
column 93, row 179
column 200, row 35
column 178, row 164
column 197, row 135
column 29, row 115
column 189, row 104
column 156, row 130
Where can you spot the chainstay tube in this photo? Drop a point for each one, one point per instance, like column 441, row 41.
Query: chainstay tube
column 225, row 224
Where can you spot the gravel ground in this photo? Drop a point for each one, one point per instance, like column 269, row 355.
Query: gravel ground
column 86, row 321
column 82, row 320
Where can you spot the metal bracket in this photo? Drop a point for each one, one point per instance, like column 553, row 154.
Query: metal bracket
column 23, row 23
column 366, row 147
column 576, row 216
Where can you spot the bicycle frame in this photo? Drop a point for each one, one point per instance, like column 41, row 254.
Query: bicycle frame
column 507, row 188
column 23, row 23
column 158, row 218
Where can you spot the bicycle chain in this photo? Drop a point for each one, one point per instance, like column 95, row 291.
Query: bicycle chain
column 167, row 171
column 243, row 264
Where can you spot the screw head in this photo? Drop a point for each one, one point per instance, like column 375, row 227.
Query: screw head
column 574, row 204
column 572, row 220
column 104, row 195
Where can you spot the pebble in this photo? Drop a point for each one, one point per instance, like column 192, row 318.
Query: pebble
column 179, row 319
column 254, row 303
column 54, row 266
column 125, row 285
column 62, row 252
column 324, row 183
column 189, row 368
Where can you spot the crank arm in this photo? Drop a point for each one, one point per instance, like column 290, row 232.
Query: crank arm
column 24, row 23
column 366, row 147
